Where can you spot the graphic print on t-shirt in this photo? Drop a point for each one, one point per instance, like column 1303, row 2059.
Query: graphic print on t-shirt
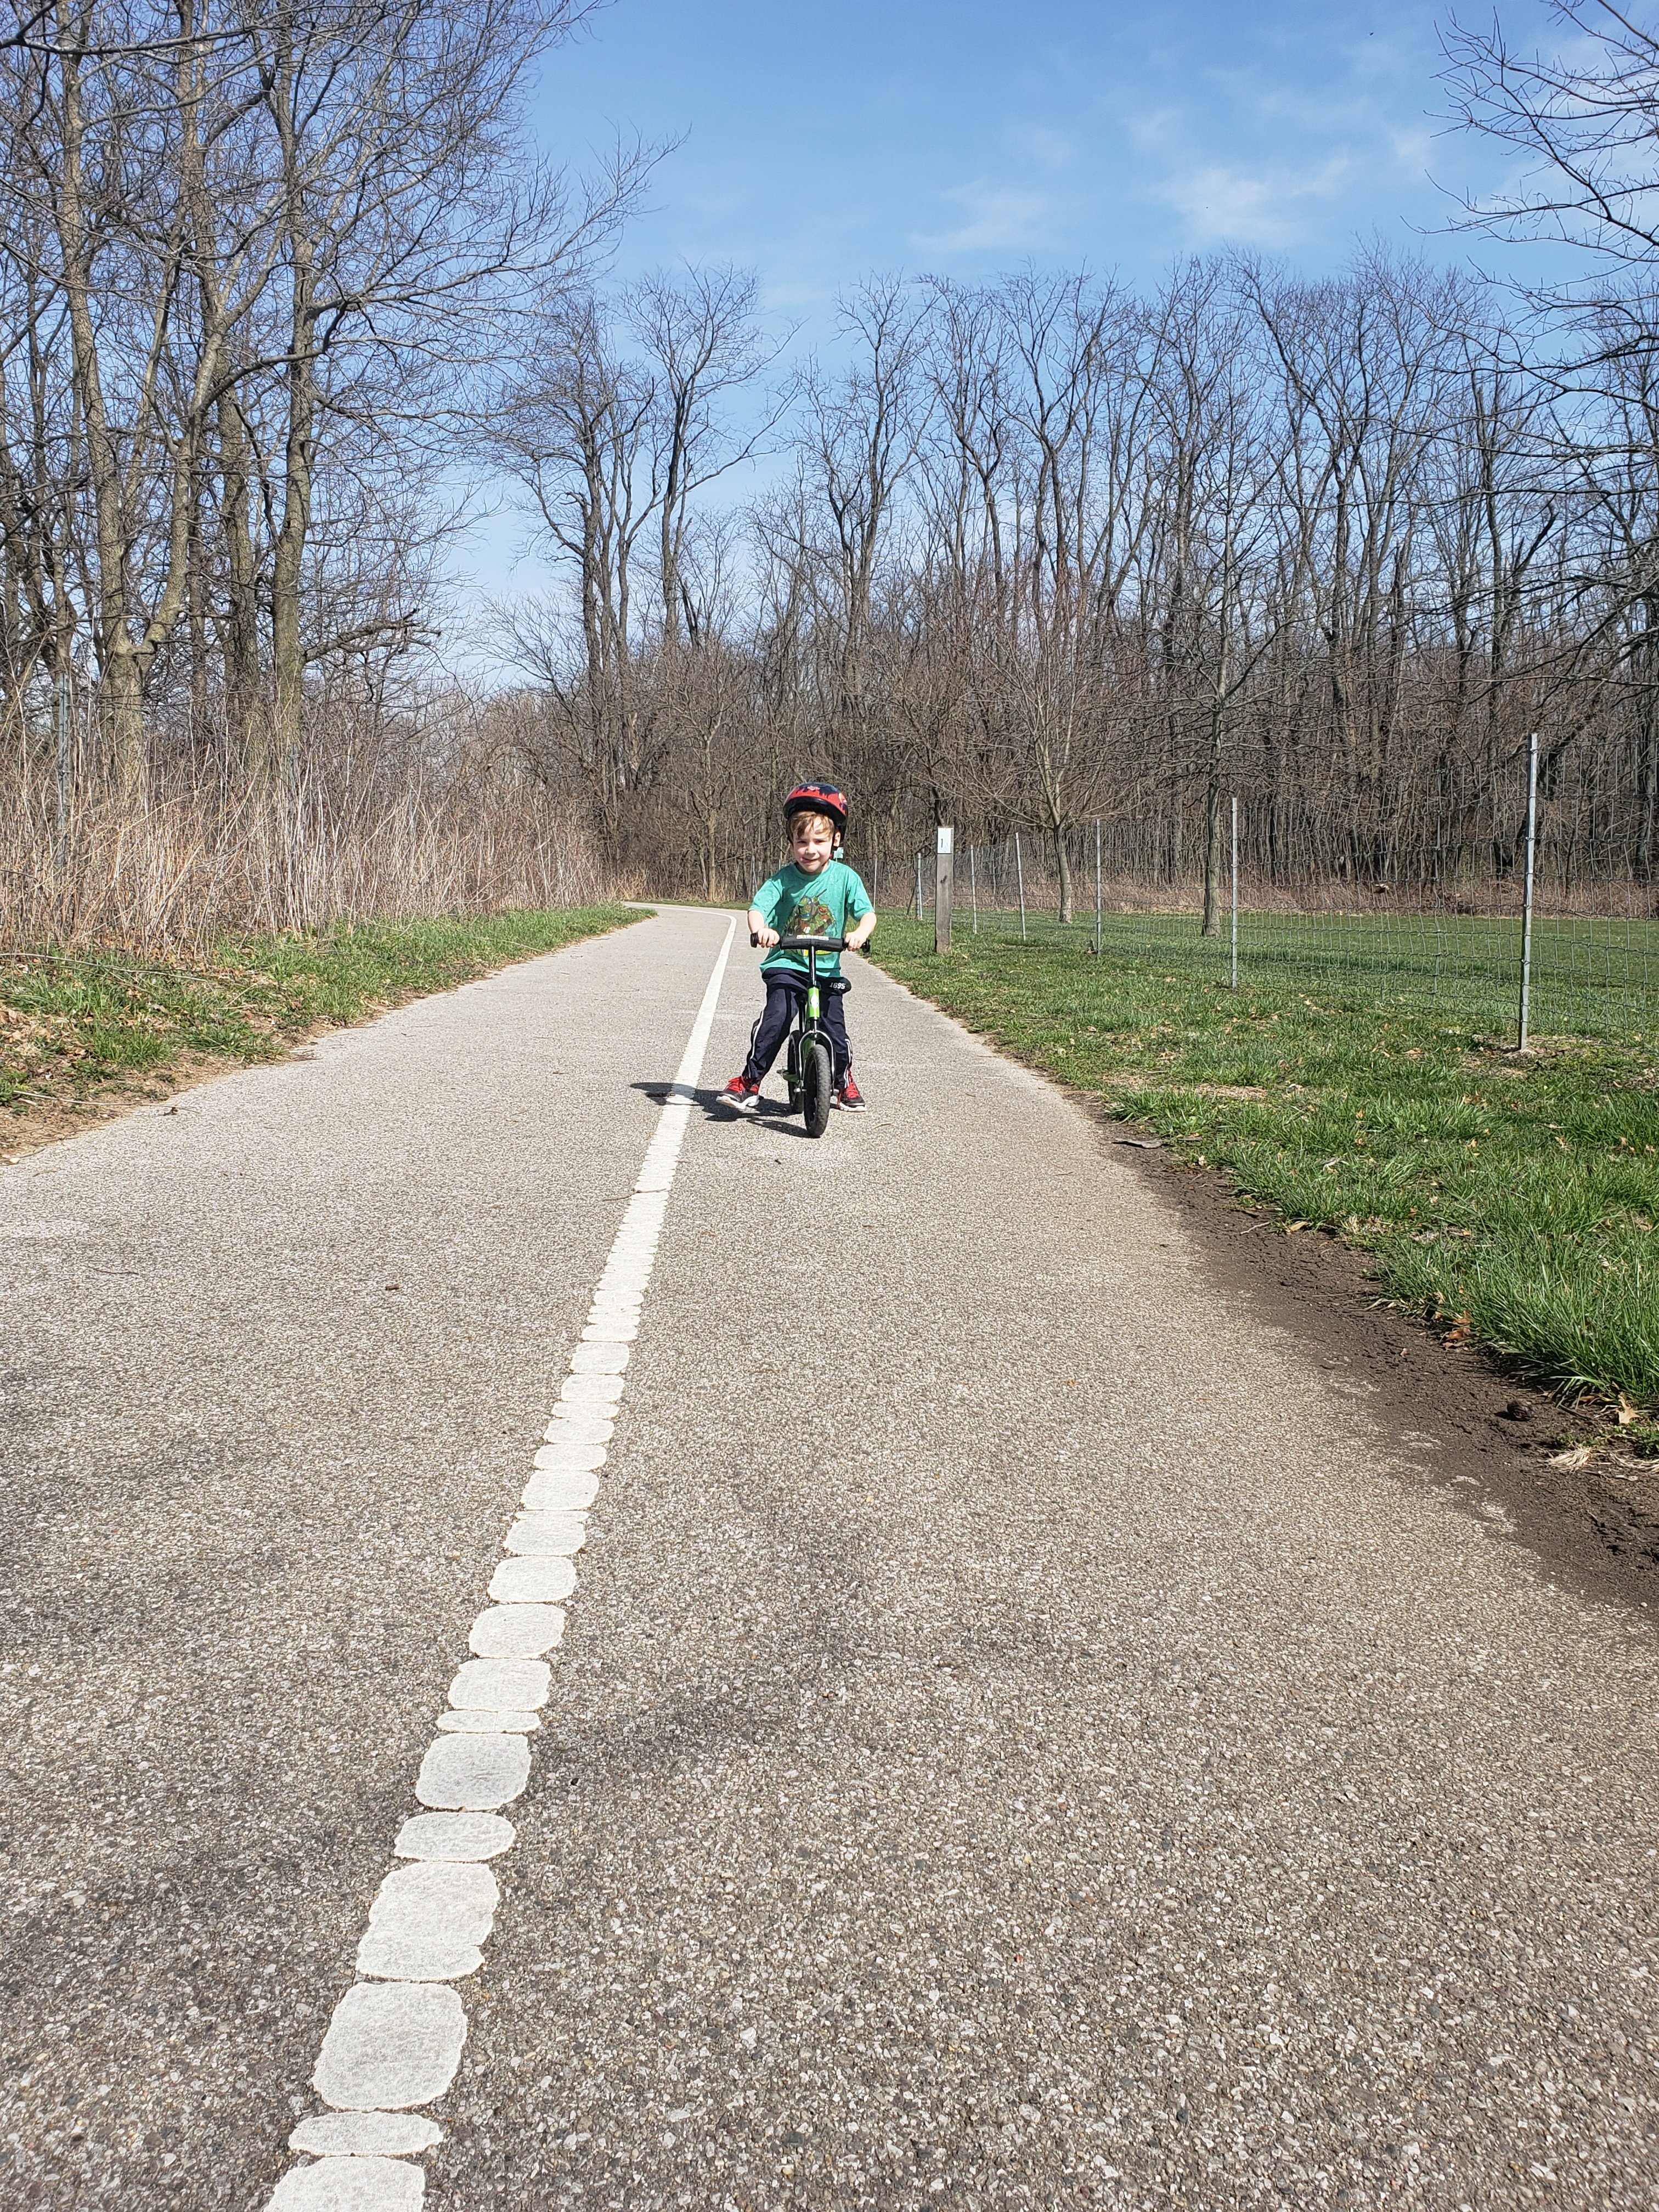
column 809, row 917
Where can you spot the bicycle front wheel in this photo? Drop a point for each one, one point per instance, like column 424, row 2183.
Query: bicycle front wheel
column 815, row 1086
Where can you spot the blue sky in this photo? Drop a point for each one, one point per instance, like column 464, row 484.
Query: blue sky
column 825, row 140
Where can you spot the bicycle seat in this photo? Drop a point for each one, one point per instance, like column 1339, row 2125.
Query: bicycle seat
column 812, row 944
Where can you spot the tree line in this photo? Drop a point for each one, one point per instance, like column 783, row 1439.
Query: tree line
column 1049, row 550
column 1024, row 553
column 254, row 264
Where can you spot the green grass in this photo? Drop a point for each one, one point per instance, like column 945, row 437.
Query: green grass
column 71, row 1025
column 1514, row 1198
column 1593, row 975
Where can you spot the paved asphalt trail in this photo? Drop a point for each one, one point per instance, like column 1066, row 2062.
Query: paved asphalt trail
column 970, row 1777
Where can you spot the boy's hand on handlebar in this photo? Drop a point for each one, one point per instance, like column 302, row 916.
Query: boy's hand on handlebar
column 861, row 933
column 766, row 938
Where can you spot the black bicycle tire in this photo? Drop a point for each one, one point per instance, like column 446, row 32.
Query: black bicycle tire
column 815, row 1087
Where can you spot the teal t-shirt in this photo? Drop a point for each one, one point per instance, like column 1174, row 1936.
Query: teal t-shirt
column 796, row 904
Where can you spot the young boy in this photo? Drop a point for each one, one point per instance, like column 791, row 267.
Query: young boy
column 815, row 895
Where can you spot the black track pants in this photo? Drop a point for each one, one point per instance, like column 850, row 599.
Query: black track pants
column 784, row 993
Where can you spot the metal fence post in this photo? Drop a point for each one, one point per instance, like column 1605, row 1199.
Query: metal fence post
column 973, row 887
column 1526, row 901
column 1235, row 890
column 943, row 864
column 1096, row 887
column 918, row 887
column 1019, row 873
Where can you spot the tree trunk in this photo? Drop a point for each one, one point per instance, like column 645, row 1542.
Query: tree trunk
column 1212, row 923
column 1646, row 663
column 121, row 693
column 245, row 729
column 1063, row 870
column 124, row 729
column 287, row 663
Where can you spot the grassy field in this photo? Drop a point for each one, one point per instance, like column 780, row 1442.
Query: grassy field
column 1515, row 1199
column 1593, row 975
column 73, row 1025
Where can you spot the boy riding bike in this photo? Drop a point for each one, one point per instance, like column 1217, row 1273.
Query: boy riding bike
column 816, row 895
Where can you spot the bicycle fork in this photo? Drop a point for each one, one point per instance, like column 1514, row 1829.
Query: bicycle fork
column 811, row 1020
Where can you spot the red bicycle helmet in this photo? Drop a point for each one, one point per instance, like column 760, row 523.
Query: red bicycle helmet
column 816, row 797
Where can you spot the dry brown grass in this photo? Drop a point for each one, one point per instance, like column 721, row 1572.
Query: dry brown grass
column 174, row 871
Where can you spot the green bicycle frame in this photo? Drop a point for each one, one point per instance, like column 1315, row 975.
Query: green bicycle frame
column 809, row 1028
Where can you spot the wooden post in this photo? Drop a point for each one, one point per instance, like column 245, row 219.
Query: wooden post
column 943, row 865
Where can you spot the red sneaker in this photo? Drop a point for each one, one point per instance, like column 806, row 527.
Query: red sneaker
column 849, row 1097
column 742, row 1095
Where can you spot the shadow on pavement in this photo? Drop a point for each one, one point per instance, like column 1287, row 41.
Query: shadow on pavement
column 773, row 1114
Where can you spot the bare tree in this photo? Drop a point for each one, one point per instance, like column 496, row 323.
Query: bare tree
column 1581, row 122
column 702, row 338
column 575, row 437
column 403, row 218
column 859, row 436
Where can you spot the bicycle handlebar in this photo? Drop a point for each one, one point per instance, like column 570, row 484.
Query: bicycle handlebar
column 811, row 944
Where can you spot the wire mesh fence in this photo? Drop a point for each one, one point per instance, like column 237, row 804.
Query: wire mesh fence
column 1435, row 914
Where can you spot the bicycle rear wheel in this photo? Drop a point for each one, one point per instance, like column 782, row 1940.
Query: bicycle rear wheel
column 815, row 1086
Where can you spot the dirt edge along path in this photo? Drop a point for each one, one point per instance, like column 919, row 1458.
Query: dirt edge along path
column 1486, row 1437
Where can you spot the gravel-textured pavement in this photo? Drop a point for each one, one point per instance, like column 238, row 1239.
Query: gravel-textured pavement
column 971, row 1776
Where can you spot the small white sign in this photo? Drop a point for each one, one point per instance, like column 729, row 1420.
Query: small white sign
column 943, row 845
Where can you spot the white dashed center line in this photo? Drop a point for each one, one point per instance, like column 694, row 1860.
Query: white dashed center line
column 395, row 2040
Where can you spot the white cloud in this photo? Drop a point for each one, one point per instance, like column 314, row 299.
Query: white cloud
column 1413, row 150
column 1043, row 148
column 798, row 294
column 1151, row 129
column 999, row 219
column 1265, row 209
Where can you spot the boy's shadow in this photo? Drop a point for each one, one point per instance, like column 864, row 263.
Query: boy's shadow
column 773, row 1114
